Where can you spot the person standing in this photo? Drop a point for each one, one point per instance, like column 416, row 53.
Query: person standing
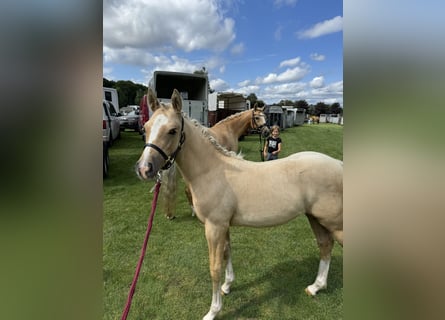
column 272, row 147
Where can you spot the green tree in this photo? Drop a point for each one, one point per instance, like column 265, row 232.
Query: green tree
column 302, row 104
column 129, row 93
column 335, row 108
column 108, row 83
column 260, row 103
column 253, row 99
column 321, row 108
column 286, row 103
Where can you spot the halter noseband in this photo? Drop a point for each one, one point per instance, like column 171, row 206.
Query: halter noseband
column 169, row 160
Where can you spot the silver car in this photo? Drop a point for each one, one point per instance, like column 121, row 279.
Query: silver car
column 130, row 121
column 110, row 123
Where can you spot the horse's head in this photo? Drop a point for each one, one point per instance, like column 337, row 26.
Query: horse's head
column 164, row 136
column 259, row 120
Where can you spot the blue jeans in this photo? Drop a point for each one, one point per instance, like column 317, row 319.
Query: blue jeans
column 271, row 156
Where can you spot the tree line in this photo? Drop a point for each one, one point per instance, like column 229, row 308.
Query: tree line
column 130, row 93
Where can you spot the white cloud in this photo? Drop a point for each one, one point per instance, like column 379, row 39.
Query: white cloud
column 323, row 28
column 294, row 74
column 248, row 89
column 332, row 92
column 317, row 82
column 277, row 33
column 302, row 91
column 163, row 25
column 237, row 49
column 219, row 85
column 290, row 62
column 107, row 72
column 244, row 83
column 285, row 89
column 317, row 57
column 279, row 3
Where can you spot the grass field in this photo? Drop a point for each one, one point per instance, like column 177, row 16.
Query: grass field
column 272, row 265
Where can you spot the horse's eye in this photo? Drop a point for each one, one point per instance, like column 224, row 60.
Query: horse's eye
column 172, row 131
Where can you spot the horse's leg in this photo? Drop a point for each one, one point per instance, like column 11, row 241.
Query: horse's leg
column 190, row 199
column 338, row 235
column 230, row 276
column 216, row 238
column 325, row 243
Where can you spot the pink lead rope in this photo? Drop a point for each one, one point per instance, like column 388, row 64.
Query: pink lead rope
column 144, row 248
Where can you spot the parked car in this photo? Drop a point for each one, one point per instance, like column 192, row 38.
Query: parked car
column 130, row 121
column 128, row 109
column 143, row 115
column 110, row 123
column 106, row 159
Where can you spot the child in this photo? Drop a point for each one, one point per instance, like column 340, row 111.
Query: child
column 272, row 147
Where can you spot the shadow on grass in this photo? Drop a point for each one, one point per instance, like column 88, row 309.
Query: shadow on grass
column 284, row 288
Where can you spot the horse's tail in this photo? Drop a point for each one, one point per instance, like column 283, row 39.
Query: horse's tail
column 168, row 191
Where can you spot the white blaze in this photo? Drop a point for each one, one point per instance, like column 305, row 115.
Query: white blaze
column 158, row 123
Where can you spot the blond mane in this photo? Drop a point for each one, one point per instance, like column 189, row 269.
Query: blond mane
column 205, row 133
column 233, row 116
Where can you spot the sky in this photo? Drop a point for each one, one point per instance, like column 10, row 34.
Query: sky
column 277, row 49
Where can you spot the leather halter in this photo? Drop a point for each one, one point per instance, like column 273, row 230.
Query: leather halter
column 254, row 124
column 169, row 160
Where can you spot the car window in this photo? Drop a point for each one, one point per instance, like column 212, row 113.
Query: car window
column 112, row 110
column 106, row 111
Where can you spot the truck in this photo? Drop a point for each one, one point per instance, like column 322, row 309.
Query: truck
column 193, row 87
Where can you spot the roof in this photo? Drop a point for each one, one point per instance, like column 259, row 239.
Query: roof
column 274, row 109
column 231, row 97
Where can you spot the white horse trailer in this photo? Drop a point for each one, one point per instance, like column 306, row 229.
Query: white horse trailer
column 193, row 88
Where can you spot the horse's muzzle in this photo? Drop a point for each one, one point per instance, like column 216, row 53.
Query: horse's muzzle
column 265, row 131
column 144, row 171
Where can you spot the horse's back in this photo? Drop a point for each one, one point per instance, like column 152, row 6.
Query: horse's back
column 319, row 168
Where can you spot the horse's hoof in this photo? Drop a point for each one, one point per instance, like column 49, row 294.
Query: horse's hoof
column 224, row 293
column 309, row 293
column 170, row 217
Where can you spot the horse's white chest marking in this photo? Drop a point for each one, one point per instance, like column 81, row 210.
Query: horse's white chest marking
column 159, row 122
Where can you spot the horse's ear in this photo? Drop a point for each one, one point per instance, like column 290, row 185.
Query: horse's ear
column 255, row 106
column 176, row 101
column 152, row 101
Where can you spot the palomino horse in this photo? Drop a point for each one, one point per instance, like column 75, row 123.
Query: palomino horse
column 226, row 132
column 307, row 183
column 229, row 130
column 315, row 119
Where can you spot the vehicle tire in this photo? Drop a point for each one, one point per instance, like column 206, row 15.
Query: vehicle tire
column 110, row 139
column 106, row 160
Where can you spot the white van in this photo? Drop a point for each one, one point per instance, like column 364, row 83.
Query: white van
column 110, row 94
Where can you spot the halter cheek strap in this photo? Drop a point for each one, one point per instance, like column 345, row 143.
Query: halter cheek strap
column 254, row 125
column 169, row 160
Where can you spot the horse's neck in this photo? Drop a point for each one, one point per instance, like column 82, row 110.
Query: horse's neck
column 197, row 155
column 237, row 125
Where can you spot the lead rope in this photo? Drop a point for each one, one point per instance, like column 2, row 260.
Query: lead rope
column 261, row 147
column 144, row 248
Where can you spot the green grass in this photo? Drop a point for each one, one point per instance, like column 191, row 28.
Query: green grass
column 272, row 265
